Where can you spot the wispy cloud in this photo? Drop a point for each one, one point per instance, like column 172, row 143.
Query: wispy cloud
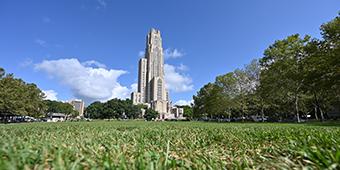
column 41, row 42
column 101, row 4
column 183, row 67
column 173, row 53
column 27, row 62
column 93, row 63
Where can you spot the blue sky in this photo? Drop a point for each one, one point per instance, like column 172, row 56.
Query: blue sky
column 75, row 49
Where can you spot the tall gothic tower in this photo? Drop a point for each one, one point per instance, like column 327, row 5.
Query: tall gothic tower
column 151, row 82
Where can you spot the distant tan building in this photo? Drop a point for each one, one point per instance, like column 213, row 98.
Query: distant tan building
column 142, row 84
column 136, row 98
column 151, row 81
column 178, row 112
column 79, row 106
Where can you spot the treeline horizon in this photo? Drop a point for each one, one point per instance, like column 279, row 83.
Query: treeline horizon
column 295, row 77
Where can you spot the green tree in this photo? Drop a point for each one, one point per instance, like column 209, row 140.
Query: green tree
column 229, row 91
column 2, row 72
column 255, row 98
column 20, row 98
column 283, row 72
column 188, row 111
column 113, row 109
column 295, row 76
column 95, row 110
column 60, row 107
column 238, row 88
column 132, row 111
column 209, row 102
column 330, row 47
column 150, row 114
column 322, row 67
column 243, row 87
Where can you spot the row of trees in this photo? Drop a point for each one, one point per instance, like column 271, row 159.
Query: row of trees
column 296, row 76
column 26, row 99
column 60, row 107
column 119, row 109
column 114, row 108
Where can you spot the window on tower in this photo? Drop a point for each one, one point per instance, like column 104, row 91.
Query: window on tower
column 159, row 89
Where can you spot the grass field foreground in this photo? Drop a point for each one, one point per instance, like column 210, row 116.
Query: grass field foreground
column 165, row 145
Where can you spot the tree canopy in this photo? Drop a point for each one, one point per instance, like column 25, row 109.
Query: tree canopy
column 20, row 98
column 60, row 107
column 296, row 76
column 150, row 114
column 113, row 109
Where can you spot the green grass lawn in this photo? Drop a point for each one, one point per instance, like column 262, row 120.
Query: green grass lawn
column 165, row 145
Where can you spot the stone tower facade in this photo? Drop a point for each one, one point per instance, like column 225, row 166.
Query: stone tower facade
column 151, row 83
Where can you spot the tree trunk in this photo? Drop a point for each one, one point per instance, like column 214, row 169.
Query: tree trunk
column 242, row 116
column 297, row 109
column 262, row 113
column 317, row 105
column 316, row 112
column 321, row 112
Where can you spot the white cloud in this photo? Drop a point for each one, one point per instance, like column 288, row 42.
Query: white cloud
column 134, row 87
column 50, row 94
column 41, row 42
column 184, row 102
column 173, row 53
column 86, row 82
column 93, row 63
column 27, row 62
column 176, row 81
